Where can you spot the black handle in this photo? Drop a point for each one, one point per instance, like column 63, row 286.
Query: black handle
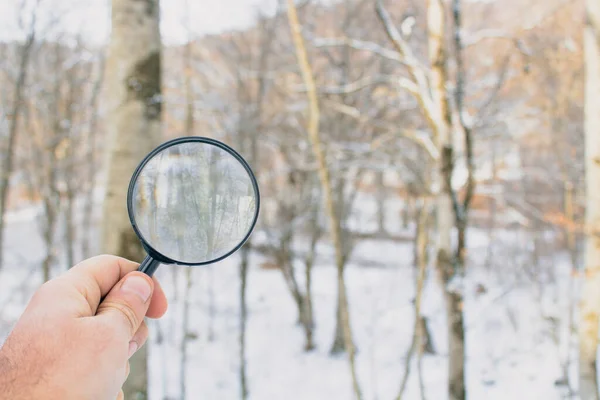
column 148, row 266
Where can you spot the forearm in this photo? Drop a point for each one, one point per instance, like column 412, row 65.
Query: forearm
column 10, row 387
column 20, row 380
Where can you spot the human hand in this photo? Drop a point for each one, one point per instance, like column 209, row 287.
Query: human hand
column 78, row 331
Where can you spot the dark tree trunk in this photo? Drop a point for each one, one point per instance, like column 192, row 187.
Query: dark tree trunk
column 380, row 194
column 245, row 254
column 70, row 228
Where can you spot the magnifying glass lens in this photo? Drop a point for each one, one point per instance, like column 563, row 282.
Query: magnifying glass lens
column 194, row 202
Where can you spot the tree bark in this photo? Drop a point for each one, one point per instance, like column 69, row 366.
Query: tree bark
column 419, row 339
column 324, row 176
column 380, row 194
column 590, row 301
column 309, row 323
column 133, row 124
column 49, row 230
column 185, row 331
column 88, row 207
column 245, row 254
column 446, row 264
column 571, row 245
column 309, row 261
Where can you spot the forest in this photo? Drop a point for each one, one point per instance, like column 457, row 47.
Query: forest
column 429, row 180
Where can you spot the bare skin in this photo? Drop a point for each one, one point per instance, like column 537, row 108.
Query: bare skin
column 78, row 332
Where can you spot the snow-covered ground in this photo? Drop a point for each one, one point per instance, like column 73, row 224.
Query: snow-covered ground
column 510, row 355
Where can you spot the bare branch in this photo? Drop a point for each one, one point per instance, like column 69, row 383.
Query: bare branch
column 391, row 30
column 345, row 109
column 494, row 92
column 487, row 34
column 357, row 86
column 491, row 34
column 403, row 49
column 419, row 137
column 357, row 45
column 421, row 88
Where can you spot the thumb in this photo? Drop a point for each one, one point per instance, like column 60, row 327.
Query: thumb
column 127, row 303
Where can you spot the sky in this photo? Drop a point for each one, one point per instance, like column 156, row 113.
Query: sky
column 92, row 17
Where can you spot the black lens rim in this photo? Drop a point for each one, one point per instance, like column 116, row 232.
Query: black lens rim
column 152, row 252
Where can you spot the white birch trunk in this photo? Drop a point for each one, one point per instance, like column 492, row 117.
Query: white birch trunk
column 590, row 302
column 134, row 117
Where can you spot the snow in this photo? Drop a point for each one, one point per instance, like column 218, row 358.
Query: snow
column 510, row 350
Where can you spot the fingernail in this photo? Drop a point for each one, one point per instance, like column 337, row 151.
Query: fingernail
column 133, row 346
column 138, row 286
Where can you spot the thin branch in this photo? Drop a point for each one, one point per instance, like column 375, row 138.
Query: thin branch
column 356, row 86
column 419, row 137
column 491, row 34
column 357, row 45
column 495, row 90
column 487, row 34
column 393, row 34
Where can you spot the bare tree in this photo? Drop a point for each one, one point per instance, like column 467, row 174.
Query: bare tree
column 15, row 112
column 53, row 124
column 429, row 87
column 324, row 176
column 243, row 273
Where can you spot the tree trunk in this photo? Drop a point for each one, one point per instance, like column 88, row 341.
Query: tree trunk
column 445, row 211
column 308, row 305
column 456, row 346
column 338, row 345
column 324, row 176
column 88, row 207
column 133, row 124
column 245, row 254
column 211, row 303
column 309, row 323
column 571, row 245
column 70, row 227
column 49, row 230
column 380, row 194
column 406, row 210
column 185, row 334
column 492, row 205
column 419, row 340
column 590, row 301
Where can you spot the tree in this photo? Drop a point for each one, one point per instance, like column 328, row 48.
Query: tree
column 429, row 86
column 133, row 123
column 324, row 176
column 590, row 301
column 53, row 125
column 15, row 112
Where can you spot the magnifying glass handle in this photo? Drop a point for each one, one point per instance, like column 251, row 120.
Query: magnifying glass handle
column 148, row 266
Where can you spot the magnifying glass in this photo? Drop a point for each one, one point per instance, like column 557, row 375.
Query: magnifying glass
column 192, row 201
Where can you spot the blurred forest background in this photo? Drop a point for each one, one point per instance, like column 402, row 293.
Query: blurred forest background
column 428, row 230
